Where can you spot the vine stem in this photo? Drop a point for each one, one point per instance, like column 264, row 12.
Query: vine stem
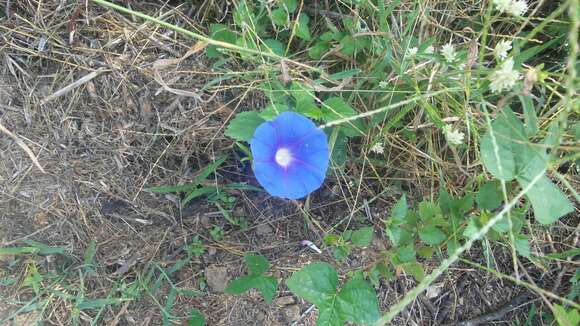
column 411, row 295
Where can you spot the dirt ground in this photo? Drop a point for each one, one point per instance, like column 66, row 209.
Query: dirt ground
column 106, row 119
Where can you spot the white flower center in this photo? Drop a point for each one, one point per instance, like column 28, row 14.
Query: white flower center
column 283, row 157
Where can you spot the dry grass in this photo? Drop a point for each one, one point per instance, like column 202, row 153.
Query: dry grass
column 86, row 90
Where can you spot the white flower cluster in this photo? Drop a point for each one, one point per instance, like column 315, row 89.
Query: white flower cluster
column 448, row 52
column 378, row 148
column 513, row 7
column 501, row 49
column 454, row 137
column 505, row 77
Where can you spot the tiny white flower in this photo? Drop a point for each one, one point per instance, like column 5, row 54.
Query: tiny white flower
column 411, row 52
column 502, row 5
column 505, row 77
column 378, row 148
column 383, row 84
column 430, row 49
column 453, row 137
column 513, row 7
column 501, row 49
column 448, row 51
column 518, row 8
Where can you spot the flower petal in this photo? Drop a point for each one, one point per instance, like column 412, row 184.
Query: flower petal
column 308, row 149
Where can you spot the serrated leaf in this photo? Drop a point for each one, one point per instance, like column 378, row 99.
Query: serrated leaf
column 242, row 127
column 257, row 264
column 488, row 196
column 398, row 235
column 357, row 302
column 318, row 50
column 406, row 253
column 302, row 28
column 362, row 237
column 414, row 269
column 399, row 211
column 428, row 210
column 315, row 283
column 280, row 17
column 275, row 46
column 431, row 235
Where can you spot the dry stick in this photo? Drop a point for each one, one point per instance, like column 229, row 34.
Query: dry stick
column 23, row 146
column 81, row 81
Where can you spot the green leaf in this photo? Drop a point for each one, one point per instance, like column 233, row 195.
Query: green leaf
column 43, row 249
column 548, row 201
column 488, row 196
column 431, row 235
column 257, row 264
column 203, row 174
column 302, row 29
column 406, row 253
column 335, row 108
column 242, row 127
column 98, row 303
column 315, row 283
column 318, row 50
column 219, row 32
column 291, row 5
column 566, row 318
column 497, row 153
column 329, row 315
column 265, row 284
column 522, row 245
column 348, row 45
column 196, row 318
column 357, row 302
column 398, row 235
column 428, row 210
column 530, row 117
column 399, row 211
column 414, row 269
column 275, row 46
column 280, row 17
column 90, row 256
column 362, row 237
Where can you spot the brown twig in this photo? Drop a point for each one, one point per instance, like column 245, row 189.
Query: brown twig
column 23, row 146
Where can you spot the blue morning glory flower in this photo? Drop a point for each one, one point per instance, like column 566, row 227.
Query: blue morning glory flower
column 290, row 156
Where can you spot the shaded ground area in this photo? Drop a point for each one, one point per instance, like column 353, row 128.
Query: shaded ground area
column 141, row 122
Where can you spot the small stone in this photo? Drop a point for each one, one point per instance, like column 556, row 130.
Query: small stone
column 217, row 277
column 205, row 222
column 263, row 229
column 260, row 316
column 284, row 301
column 211, row 251
column 291, row 313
